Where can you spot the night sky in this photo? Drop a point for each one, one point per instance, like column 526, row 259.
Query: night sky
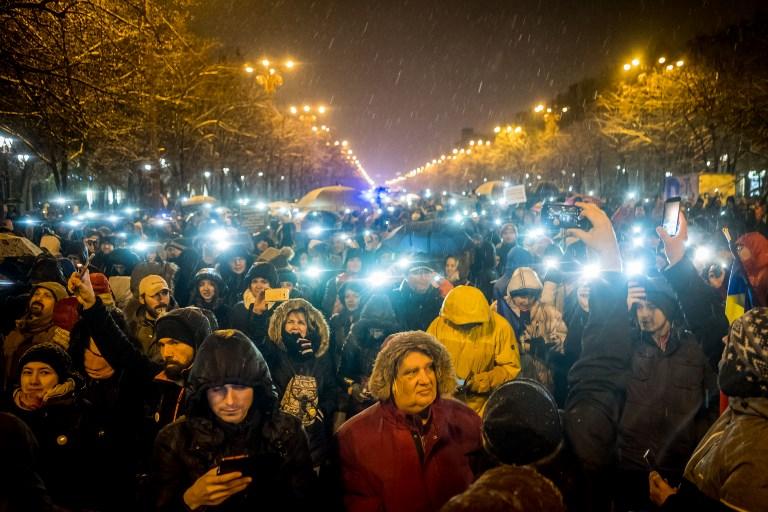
column 403, row 76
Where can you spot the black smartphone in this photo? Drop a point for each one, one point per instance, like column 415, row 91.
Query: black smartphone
column 235, row 463
column 671, row 219
column 563, row 216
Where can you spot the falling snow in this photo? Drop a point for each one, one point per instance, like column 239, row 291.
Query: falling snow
column 403, row 77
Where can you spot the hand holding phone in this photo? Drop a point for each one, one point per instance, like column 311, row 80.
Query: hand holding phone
column 234, row 464
column 671, row 219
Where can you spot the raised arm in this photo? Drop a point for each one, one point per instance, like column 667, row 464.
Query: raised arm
column 598, row 378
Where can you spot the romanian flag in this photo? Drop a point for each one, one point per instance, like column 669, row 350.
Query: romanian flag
column 739, row 299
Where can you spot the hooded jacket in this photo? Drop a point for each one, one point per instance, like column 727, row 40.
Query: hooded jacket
column 305, row 383
column 481, row 343
column 235, row 283
column 382, row 467
column 279, row 460
column 217, row 305
column 377, row 322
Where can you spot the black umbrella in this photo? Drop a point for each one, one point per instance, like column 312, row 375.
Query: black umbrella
column 432, row 237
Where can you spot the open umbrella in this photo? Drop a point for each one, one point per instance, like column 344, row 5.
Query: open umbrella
column 493, row 188
column 12, row 246
column 199, row 200
column 432, row 237
column 334, row 198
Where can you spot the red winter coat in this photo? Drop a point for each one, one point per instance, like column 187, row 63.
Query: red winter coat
column 380, row 464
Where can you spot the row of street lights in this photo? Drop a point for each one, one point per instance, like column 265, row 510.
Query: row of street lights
column 636, row 63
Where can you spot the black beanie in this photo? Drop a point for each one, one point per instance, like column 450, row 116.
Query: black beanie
column 188, row 325
column 521, row 423
column 51, row 354
column 659, row 293
column 263, row 270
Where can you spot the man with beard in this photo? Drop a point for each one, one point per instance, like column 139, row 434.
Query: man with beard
column 154, row 301
column 35, row 327
column 161, row 384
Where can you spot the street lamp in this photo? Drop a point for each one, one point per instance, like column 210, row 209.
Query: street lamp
column 662, row 60
column 627, row 67
column 679, row 63
column 635, row 62
column 207, row 174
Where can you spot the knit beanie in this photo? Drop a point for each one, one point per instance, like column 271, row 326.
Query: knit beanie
column 262, row 270
column 659, row 293
column 51, row 354
column 744, row 365
column 521, row 423
column 100, row 284
column 187, row 325
column 57, row 290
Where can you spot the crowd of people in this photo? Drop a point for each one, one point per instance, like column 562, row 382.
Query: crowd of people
column 416, row 356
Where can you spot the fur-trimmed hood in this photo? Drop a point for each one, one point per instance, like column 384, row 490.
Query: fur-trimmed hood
column 392, row 352
column 317, row 326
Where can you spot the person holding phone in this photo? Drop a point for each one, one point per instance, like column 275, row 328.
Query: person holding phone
column 247, row 454
column 251, row 315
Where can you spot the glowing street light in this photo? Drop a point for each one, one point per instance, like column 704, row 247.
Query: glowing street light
column 293, row 110
column 539, row 108
column 679, row 63
column 497, row 129
column 670, row 67
column 627, row 67
column 249, row 69
column 306, row 108
column 289, row 64
column 265, row 63
column 635, row 62
column 321, row 109
column 662, row 60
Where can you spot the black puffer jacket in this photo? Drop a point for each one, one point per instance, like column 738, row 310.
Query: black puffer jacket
column 377, row 321
column 274, row 441
column 235, row 283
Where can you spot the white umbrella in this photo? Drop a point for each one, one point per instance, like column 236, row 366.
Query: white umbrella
column 12, row 246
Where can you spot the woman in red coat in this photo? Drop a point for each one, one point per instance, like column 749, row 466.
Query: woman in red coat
column 414, row 449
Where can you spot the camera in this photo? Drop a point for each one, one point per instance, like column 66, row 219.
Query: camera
column 563, row 216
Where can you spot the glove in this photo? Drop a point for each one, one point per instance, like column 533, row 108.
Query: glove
column 305, row 347
column 480, row 383
column 359, row 393
column 66, row 313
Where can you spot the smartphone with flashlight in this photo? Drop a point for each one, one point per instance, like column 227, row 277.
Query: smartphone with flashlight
column 671, row 219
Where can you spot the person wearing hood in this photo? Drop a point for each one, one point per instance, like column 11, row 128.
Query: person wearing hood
column 188, row 261
column 235, row 449
column 302, row 369
column 416, row 447
column 539, row 327
column 376, row 323
column 752, row 249
column 353, row 267
column 154, row 300
column 233, row 266
column 351, row 298
column 729, row 467
column 516, row 257
column 251, row 315
column 417, row 301
column 208, row 293
column 34, row 327
column 46, row 398
column 481, row 344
